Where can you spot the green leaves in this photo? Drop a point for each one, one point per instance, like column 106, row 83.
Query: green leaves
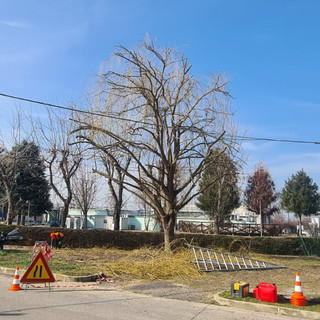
column 300, row 195
column 220, row 194
column 26, row 182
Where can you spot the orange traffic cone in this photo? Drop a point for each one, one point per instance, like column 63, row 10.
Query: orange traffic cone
column 297, row 299
column 16, row 281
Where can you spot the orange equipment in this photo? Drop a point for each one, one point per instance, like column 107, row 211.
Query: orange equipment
column 16, row 281
column 297, row 299
column 56, row 239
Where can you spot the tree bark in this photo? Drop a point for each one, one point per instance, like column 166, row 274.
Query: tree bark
column 300, row 225
column 116, row 215
column 85, row 222
column 10, row 213
column 216, row 228
column 168, row 224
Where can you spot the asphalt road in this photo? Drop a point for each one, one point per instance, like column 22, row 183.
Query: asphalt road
column 106, row 302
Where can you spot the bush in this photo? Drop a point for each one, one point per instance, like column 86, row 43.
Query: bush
column 136, row 239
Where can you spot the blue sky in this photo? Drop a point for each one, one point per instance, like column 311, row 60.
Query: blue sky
column 268, row 49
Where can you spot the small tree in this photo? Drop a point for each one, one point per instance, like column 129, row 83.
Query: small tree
column 62, row 157
column 260, row 195
column 300, row 196
column 115, row 178
column 222, row 197
column 84, row 192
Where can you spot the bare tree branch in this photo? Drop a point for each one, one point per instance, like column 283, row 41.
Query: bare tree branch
column 173, row 123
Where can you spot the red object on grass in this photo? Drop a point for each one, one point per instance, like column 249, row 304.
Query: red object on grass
column 266, row 291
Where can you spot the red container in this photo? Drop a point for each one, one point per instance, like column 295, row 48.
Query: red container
column 266, row 291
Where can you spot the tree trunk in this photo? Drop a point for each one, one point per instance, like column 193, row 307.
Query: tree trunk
column 116, row 216
column 19, row 218
column 85, row 220
column 216, row 226
column 65, row 212
column 300, row 225
column 168, row 223
column 10, row 213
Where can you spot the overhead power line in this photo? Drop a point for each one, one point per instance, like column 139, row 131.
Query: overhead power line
column 140, row 122
column 65, row 108
column 277, row 140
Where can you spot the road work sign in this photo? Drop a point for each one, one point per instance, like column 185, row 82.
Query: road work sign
column 38, row 271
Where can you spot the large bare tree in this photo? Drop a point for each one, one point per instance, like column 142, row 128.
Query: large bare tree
column 164, row 119
column 8, row 175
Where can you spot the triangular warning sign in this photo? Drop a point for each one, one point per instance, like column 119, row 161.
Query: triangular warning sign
column 38, row 271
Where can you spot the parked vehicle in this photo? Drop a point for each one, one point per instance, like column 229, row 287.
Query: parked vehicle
column 54, row 224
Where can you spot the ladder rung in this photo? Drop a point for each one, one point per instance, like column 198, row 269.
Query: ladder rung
column 217, row 261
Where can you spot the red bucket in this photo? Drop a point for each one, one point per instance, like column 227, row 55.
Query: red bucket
column 266, row 291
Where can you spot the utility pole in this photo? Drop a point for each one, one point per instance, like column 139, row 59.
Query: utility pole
column 28, row 211
column 261, row 222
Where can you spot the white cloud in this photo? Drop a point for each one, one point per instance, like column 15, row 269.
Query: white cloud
column 15, row 24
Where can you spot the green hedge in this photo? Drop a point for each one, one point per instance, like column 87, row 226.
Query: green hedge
column 135, row 239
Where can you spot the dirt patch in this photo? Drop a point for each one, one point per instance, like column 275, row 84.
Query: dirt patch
column 170, row 290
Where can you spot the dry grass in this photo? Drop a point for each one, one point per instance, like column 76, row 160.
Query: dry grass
column 154, row 264
column 145, row 263
column 150, row 264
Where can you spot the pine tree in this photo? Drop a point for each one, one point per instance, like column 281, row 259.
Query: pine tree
column 260, row 195
column 220, row 195
column 31, row 191
column 300, row 196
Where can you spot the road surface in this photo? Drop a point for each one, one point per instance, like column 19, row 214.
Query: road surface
column 106, row 302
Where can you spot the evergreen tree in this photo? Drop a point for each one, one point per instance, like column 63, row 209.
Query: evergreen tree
column 300, row 196
column 260, row 195
column 31, row 191
column 220, row 195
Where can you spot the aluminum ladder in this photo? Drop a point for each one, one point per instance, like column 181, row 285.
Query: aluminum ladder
column 209, row 260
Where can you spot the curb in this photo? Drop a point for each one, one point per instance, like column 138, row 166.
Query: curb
column 266, row 308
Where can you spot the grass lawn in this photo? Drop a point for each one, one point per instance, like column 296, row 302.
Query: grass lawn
column 150, row 264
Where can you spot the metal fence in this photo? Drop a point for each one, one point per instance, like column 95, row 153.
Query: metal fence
column 232, row 228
